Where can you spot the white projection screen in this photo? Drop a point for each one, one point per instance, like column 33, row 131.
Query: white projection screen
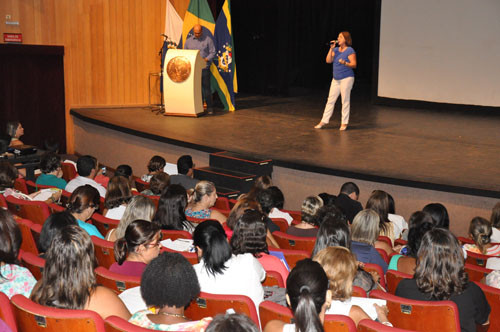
column 445, row 51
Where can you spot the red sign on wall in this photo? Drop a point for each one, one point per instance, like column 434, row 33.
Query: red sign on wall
column 12, row 37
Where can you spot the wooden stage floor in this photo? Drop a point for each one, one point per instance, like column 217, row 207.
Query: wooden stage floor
column 453, row 151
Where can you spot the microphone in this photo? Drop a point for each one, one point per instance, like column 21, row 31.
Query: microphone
column 334, row 42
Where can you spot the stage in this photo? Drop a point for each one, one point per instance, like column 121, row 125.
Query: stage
column 450, row 151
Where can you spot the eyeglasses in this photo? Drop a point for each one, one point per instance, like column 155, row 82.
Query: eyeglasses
column 152, row 245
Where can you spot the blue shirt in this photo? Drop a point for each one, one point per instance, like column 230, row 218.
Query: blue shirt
column 368, row 254
column 51, row 180
column 204, row 44
column 90, row 229
column 341, row 71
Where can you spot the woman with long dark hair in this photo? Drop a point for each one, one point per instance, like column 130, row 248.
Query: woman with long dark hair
column 308, row 296
column 83, row 202
column 379, row 202
column 221, row 272
column 171, row 210
column 69, row 281
column 139, row 246
column 440, row 275
column 117, row 197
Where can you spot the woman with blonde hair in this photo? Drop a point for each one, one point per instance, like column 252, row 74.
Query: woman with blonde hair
column 364, row 234
column 139, row 207
column 341, row 266
column 308, row 226
column 204, row 199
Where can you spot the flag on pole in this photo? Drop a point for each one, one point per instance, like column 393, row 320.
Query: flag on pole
column 198, row 12
column 172, row 33
column 223, row 68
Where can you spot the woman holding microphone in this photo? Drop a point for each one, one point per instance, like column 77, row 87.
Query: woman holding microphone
column 343, row 58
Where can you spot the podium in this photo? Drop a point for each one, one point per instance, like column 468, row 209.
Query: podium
column 182, row 94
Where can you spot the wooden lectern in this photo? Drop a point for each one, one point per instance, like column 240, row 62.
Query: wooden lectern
column 182, row 82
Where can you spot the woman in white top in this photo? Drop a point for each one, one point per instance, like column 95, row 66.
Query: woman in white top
column 308, row 296
column 220, row 272
column 117, row 197
column 340, row 265
column 495, row 223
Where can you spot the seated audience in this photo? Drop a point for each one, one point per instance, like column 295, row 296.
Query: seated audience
column 50, row 165
column 140, row 245
column 68, row 280
column 139, row 207
column 347, row 200
column 157, row 184
column 169, row 284
column 53, row 225
column 261, row 183
column 185, row 174
column 83, row 202
column 125, row 171
column 15, row 130
column 308, row 296
column 480, row 231
column 341, row 266
column 171, row 210
column 155, row 166
column 14, row 279
column 232, row 322
column 87, row 169
column 420, row 223
column 334, row 232
column 8, row 176
column 249, row 236
column 204, row 198
column 495, row 223
column 221, row 272
column 266, row 202
column 364, row 234
column 440, row 275
column 278, row 201
column 117, row 197
column 379, row 202
column 308, row 226
column 439, row 215
column 396, row 219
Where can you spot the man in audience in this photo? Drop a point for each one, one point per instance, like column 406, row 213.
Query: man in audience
column 185, row 169
column 86, row 167
column 347, row 200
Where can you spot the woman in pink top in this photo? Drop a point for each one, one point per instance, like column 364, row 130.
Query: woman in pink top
column 249, row 236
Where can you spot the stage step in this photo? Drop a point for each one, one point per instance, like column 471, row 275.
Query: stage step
column 225, row 178
column 241, row 163
column 228, row 192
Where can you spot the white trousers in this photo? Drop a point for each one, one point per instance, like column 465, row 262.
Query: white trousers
column 342, row 87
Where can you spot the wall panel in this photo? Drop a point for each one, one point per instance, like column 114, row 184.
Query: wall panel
column 110, row 45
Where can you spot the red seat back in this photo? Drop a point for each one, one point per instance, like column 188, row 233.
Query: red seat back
column 222, row 203
column 29, row 243
column 103, row 224
column 115, row 281
column 375, row 267
column 339, row 323
column 383, row 254
column 292, row 256
column 269, row 311
column 35, row 211
column 33, row 263
column 69, row 171
column 33, row 187
column 420, row 315
column 393, row 279
column 141, row 185
column 20, row 184
column 209, row 305
column 476, row 273
column 477, row 259
column 358, row 292
column 104, row 252
column 118, row 324
column 368, row 325
column 33, row 317
column 281, row 223
column 192, row 257
column 493, row 297
column 273, row 278
column 287, row 241
column 385, row 239
column 6, row 313
column 3, row 202
column 174, row 235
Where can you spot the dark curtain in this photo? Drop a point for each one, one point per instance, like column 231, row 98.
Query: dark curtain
column 280, row 45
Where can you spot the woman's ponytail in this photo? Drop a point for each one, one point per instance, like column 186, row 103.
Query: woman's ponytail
column 306, row 316
column 121, row 250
